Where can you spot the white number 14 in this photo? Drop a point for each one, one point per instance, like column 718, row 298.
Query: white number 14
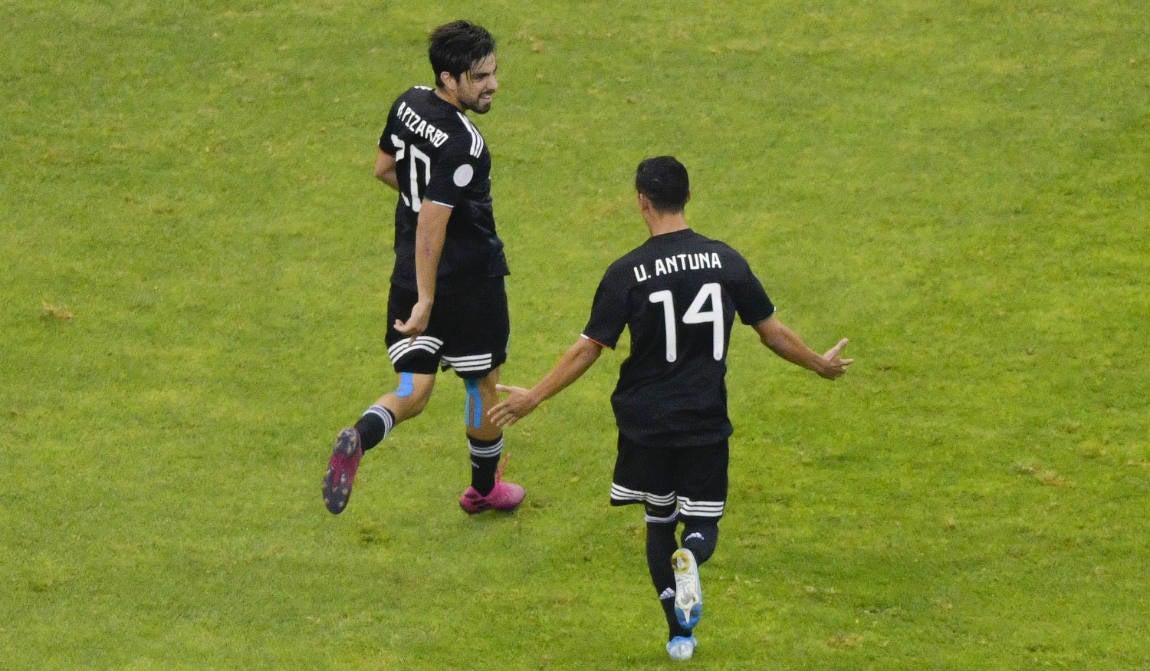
column 706, row 307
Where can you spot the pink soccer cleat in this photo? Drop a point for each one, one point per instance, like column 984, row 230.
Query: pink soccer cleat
column 505, row 496
column 341, row 470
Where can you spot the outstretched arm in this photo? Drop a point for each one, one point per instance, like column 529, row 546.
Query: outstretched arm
column 520, row 402
column 788, row 345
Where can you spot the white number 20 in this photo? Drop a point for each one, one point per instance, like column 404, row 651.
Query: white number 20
column 414, row 198
column 706, row 307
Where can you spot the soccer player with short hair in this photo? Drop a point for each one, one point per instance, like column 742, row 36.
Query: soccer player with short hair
column 678, row 293
column 447, row 305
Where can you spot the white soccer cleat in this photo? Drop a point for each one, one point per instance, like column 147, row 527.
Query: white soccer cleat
column 688, row 591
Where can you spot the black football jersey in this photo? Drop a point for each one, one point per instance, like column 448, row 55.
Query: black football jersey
column 441, row 156
column 677, row 294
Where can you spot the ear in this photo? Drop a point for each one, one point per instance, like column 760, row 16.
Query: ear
column 450, row 83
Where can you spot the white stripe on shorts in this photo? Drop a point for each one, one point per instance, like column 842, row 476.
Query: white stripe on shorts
column 469, row 364
column 620, row 493
column 700, row 508
column 425, row 343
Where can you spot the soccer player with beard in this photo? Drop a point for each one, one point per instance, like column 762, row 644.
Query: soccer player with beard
column 447, row 305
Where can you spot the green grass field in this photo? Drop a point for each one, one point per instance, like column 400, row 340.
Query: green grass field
column 195, row 266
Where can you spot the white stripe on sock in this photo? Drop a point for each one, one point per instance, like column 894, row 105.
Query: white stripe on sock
column 489, row 451
column 384, row 415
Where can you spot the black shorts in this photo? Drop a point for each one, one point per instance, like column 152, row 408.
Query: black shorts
column 692, row 480
column 468, row 330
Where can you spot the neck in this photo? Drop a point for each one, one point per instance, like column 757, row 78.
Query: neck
column 660, row 223
column 447, row 97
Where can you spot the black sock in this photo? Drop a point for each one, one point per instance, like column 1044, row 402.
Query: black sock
column 701, row 540
column 376, row 422
column 484, row 463
column 673, row 627
column 660, row 546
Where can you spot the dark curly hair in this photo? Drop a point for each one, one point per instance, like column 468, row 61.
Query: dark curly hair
column 455, row 47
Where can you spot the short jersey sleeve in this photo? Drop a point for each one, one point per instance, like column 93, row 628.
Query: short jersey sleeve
column 452, row 169
column 750, row 298
column 609, row 312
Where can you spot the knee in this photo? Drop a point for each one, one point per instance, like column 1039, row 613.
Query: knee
column 413, row 406
column 661, row 515
column 410, row 396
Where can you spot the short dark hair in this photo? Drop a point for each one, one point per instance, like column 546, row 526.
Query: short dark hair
column 457, row 46
column 663, row 180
